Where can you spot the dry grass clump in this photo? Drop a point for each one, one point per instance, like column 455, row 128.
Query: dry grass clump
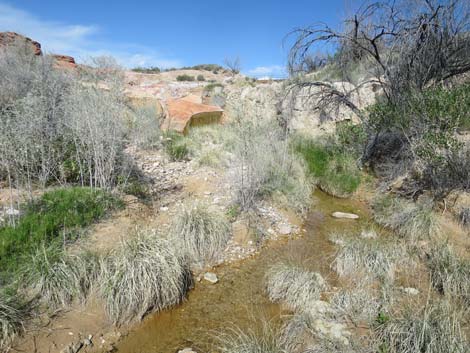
column 237, row 340
column 143, row 274
column 376, row 258
column 450, row 274
column 357, row 305
column 414, row 220
column 14, row 313
column 201, row 234
column 435, row 328
column 294, row 286
column 59, row 278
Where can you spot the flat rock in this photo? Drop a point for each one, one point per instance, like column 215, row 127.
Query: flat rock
column 411, row 291
column 345, row 215
column 211, row 277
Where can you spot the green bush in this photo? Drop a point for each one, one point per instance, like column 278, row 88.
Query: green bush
column 200, row 78
column 335, row 171
column 147, row 70
column 56, row 217
column 184, row 77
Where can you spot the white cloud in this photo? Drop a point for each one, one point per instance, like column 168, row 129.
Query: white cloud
column 268, row 71
column 78, row 40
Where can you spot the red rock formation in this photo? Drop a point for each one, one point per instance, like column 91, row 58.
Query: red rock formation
column 182, row 113
column 10, row 38
column 64, row 61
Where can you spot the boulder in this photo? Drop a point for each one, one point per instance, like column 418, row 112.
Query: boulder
column 183, row 113
column 345, row 215
column 13, row 38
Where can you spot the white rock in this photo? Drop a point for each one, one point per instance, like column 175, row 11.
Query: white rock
column 187, row 350
column 411, row 291
column 345, row 215
column 211, row 277
column 163, row 208
column 11, row 212
column 285, row 229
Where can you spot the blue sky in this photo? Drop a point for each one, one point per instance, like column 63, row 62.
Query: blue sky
column 169, row 33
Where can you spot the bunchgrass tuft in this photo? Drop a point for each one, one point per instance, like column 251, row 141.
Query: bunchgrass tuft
column 59, row 278
column 267, row 339
column 200, row 233
column 435, row 328
column 414, row 220
column 450, row 274
column 373, row 258
column 296, row 287
column 14, row 313
column 144, row 274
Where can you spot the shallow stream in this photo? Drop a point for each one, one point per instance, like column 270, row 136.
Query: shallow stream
column 238, row 299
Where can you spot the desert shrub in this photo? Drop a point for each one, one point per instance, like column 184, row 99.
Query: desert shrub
column 450, row 274
column 200, row 233
column 69, row 130
column 143, row 274
column 200, row 78
column 464, row 217
column 210, row 145
column 237, row 340
column 435, row 328
column 414, row 220
column 184, row 77
column 375, row 258
column 351, row 137
column 58, row 278
column 296, row 287
column 145, row 128
column 335, row 171
column 56, row 217
column 176, row 146
column 147, row 70
column 211, row 86
column 14, row 314
column 264, row 166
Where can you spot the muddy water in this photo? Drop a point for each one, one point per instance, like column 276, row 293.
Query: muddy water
column 239, row 296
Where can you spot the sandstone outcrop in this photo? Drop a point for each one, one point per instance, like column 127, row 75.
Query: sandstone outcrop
column 184, row 112
column 13, row 38
column 64, row 61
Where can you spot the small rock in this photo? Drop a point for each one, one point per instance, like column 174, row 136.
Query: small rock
column 11, row 212
column 187, row 350
column 163, row 208
column 87, row 342
column 211, row 277
column 345, row 215
column 411, row 291
column 285, row 229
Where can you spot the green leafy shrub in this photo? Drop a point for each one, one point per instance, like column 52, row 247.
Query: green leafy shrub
column 56, row 217
column 184, row 77
column 147, row 70
column 335, row 171
column 200, row 78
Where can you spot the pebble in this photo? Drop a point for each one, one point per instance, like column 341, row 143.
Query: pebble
column 285, row 229
column 411, row 291
column 187, row 350
column 211, row 277
column 345, row 215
